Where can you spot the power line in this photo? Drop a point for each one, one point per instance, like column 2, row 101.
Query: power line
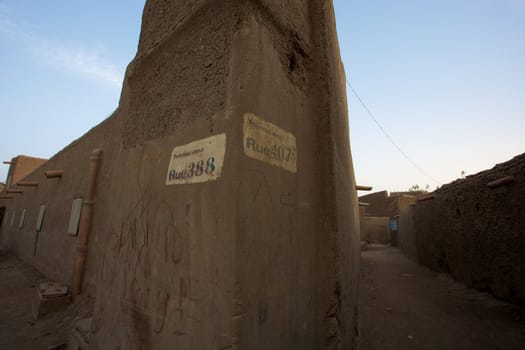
column 389, row 137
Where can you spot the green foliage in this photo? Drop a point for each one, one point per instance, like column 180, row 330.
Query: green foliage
column 416, row 188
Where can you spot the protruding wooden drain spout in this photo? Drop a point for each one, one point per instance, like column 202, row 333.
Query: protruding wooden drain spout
column 27, row 184
column 54, row 173
column 501, row 182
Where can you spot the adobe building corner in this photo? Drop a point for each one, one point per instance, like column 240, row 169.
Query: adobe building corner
column 225, row 213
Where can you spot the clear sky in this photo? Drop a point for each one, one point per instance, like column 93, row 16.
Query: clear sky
column 444, row 78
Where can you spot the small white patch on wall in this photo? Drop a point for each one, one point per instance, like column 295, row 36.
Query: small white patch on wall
column 22, row 219
column 74, row 217
column 13, row 215
column 40, row 218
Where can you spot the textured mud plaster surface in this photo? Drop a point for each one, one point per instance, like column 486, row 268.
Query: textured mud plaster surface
column 262, row 258
column 476, row 233
column 182, row 73
column 183, row 80
column 162, row 17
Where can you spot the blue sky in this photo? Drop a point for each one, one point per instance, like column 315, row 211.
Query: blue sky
column 445, row 79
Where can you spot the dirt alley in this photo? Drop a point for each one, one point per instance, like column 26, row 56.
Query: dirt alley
column 402, row 306
column 406, row 306
column 18, row 329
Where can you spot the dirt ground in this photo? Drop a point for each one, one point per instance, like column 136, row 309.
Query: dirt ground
column 406, row 306
column 402, row 306
column 18, row 329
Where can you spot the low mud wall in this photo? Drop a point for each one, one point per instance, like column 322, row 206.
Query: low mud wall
column 375, row 229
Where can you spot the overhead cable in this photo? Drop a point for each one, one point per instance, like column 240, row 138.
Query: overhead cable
column 371, row 115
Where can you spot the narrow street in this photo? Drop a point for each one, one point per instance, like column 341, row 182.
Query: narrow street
column 406, row 306
column 402, row 306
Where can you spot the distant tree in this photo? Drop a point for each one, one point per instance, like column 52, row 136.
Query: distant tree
column 417, row 188
column 414, row 188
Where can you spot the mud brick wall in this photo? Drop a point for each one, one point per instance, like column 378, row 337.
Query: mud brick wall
column 379, row 203
column 476, row 232
column 406, row 235
column 53, row 250
column 382, row 204
column 375, row 229
column 226, row 213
